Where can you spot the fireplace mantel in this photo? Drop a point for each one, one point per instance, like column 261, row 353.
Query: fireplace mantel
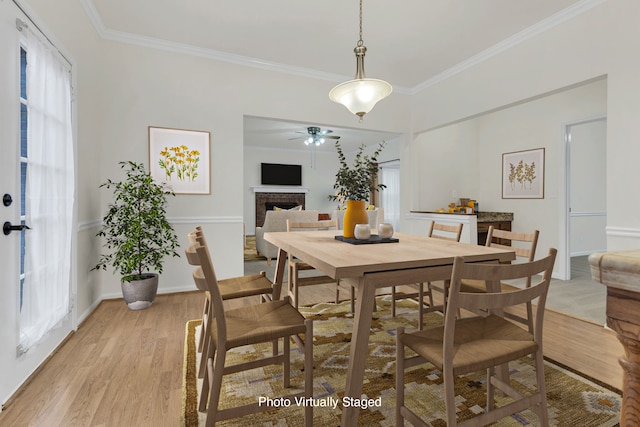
column 279, row 189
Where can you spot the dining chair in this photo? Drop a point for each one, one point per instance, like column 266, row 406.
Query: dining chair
column 470, row 344
column 295, row 266
column 231, row 288
column 524, row 245
column 437, row 231
column 248, row 325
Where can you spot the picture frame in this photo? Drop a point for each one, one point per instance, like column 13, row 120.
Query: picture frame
column 523, row 174
column 180, row 158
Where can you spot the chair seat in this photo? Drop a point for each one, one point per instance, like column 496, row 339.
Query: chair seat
column 480, row 286
column 480, row 342
column 261, row 323
column 245, row 286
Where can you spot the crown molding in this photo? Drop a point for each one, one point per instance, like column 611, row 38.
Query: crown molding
column 185, row 49
column 556, row 19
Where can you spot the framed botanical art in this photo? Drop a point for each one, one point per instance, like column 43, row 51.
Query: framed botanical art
column 523, row 174
column 180, row 158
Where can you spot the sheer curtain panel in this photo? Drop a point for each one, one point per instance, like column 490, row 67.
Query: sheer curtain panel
column 49, row 192
column 390, row 196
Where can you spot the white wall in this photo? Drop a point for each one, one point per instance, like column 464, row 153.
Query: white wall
column 472, row 152
column 593, row 44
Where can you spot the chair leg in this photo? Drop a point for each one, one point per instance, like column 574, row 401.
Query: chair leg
column 542, row 389
column 216, row 385
column 420, row 308
column 286, row 363
column 399, row 377
column 353, row 300
column 207, row 349
column 203, row 331
column 308, row 371
column 393, row 301
column 449, row 396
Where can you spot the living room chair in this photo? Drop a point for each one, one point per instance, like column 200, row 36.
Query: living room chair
column 472, row 344
column 437, row 231
column 295, row 266
column 259, row 323
column 231, row 288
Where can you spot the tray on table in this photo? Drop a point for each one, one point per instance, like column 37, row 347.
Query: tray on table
column 371, row 240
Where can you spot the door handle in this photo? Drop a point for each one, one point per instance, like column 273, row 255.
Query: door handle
column 7, row 228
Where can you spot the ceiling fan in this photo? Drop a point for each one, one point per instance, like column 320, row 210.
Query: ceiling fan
column 315, row 136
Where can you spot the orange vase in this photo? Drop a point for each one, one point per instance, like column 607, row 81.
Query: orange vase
column 355, row 214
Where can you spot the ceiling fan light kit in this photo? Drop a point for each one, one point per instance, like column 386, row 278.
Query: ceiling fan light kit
column 317, row 136
column 361, row 94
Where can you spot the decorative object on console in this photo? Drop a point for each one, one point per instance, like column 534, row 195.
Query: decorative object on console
column 523, row 174
column 361, row 94
column 355, row 184
column 181, row 159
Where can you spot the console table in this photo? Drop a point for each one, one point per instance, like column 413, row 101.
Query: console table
column 620, row 273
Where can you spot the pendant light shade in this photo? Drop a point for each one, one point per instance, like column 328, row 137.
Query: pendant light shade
column 361, row 94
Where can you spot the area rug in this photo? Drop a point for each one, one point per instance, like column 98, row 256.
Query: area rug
column 250, row 252
column 573, row 399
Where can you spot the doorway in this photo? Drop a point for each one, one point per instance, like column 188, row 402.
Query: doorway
column 586, row 191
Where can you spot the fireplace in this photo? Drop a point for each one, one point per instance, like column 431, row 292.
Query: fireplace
column 268, row 201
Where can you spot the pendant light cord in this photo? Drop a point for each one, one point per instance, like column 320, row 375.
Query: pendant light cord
column 360, row 42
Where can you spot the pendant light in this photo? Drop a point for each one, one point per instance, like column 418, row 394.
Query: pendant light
column 361, row 94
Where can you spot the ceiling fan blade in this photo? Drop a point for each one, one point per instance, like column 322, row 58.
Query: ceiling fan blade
column 331, row 137
column 326, row 131
column 297, row 137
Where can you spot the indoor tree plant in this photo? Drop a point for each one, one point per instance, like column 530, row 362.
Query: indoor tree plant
column 355, row 184
column 137, row 233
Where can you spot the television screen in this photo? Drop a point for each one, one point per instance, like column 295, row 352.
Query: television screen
column 277, row 174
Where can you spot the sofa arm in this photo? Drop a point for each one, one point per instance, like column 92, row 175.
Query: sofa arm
column 263, row 247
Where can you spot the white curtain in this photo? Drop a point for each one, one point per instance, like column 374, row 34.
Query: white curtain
column 390, row 196
column 49, row 193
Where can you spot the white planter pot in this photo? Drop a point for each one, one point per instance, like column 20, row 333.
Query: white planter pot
column 139, row 294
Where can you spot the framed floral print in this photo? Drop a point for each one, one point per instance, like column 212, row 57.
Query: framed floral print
column 523, row 174
column 180, row 158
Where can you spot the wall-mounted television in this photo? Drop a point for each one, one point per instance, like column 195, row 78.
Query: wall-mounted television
column 279, row 174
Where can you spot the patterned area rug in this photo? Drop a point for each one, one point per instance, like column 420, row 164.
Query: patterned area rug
column 573, row 399
column 250, row 252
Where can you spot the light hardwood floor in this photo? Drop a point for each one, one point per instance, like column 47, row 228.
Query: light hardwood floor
column 124, row 368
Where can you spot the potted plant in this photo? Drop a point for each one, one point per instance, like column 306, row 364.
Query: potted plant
column 137, row 234
column 355, row 184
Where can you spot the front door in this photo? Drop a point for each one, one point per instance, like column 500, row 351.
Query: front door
column 16, row 364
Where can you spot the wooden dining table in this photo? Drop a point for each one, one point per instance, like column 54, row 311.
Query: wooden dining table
column 412, row 259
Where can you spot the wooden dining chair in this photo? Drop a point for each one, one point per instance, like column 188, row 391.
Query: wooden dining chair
column 477, row 343
column 231, row 288
column 295, row 266
column 524, row 245
column 258, row 323
column 437, row 231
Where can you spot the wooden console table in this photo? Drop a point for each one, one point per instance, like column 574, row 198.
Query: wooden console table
column 620, row 272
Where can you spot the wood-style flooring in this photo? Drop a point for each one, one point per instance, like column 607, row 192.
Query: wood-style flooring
column 124, row 368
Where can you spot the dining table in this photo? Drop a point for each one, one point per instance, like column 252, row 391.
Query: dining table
column 369, row 265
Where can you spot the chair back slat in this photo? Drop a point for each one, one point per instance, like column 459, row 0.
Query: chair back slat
column 528, row 242
column 327, row 224
column 445, row 231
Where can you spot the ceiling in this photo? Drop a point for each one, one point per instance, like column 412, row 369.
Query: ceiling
column 410, row 42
